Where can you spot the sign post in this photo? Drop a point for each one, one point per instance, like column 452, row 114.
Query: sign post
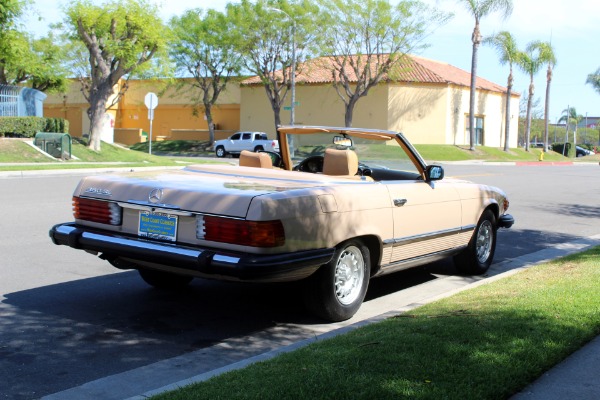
column 151, row 101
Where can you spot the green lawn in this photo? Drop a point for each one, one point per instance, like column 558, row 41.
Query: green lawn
column 484, row 343
column 15, row 151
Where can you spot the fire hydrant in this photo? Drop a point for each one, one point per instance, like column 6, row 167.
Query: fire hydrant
column 542, row 155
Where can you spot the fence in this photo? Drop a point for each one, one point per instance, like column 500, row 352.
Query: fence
column 9, row 101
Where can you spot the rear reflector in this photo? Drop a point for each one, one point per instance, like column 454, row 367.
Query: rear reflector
column 103, row 212
column 240, row 232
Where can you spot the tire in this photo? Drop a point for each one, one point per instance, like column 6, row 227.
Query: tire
column 220, row 152
column 479, row 254
column 336, row 291
column 258, row 148
column 164, row 280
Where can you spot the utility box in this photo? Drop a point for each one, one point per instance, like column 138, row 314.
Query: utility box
column 56, row 144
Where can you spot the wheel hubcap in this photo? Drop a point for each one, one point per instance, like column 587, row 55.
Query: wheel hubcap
column 349, row 275
column 485, row 237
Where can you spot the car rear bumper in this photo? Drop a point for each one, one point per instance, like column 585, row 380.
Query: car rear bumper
column 506, row 221
column 192, row 260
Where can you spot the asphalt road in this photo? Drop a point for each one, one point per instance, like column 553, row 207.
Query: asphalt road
column 68, row 318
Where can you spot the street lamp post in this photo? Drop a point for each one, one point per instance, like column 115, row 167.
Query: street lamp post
column 293, row 72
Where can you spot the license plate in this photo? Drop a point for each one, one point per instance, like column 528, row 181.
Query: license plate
column 158, row 226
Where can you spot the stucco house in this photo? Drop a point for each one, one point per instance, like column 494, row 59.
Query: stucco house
column 427, row 100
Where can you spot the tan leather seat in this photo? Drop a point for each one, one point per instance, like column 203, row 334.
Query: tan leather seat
column 256, row 160
column 340, row 162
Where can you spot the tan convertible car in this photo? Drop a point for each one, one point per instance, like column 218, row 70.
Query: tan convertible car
column 335, row 208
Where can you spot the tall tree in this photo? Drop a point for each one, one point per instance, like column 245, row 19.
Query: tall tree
column 508, row 52
column 121, row 38
column 570, row 116
column 546, row 56
column 204, row 47
column 366, row 39
column 480, row 9
column 594, row 80
column 25, row 60
column 265, row 40
column 530, row 62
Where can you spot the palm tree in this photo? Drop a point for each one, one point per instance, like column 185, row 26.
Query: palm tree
column 594, row 80
column 546, row 56
column 507, row 49
column 479, row 9
column 530, row 62
column 570, row 116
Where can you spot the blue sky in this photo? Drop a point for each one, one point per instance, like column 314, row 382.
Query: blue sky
column 572, row 26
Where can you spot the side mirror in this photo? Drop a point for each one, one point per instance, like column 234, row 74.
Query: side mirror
column 434, row 172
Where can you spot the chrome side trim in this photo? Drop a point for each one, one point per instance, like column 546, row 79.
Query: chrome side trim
column 416, row 261
column 427, row 236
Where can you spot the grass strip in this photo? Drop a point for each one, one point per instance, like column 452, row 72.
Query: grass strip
column 488, row 342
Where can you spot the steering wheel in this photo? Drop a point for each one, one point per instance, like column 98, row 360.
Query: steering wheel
column 311, row 164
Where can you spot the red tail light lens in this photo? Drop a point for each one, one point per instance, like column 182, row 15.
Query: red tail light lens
column 241, row 232
column 100, row 211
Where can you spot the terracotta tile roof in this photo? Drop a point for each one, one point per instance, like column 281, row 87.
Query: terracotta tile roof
column 412, row 69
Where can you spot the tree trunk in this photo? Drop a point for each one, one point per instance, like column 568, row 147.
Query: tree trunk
column 507, row 111
column 96, row 113
column 349, row 111
column 528, row 116
column 476, row 39
column 547, row 106
column 209, row 121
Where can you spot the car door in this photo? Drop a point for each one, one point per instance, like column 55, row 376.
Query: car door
column 234, row 142
column 427, row 219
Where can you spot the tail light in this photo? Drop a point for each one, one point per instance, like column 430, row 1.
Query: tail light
column 240, row 232
column 103, row 212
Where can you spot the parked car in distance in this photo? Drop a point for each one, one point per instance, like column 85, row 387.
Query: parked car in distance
column 239, row 141
column 334, row 208
column 582, row 152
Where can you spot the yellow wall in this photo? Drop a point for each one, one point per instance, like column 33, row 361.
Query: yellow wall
column 175, row 111
column 425, row 113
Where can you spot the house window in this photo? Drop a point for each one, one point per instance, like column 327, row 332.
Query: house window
column 478, row 129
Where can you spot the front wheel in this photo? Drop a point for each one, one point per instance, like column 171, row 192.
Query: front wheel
column 220, row 152
column 164, row 280
column 336, row 291
column 477, row 257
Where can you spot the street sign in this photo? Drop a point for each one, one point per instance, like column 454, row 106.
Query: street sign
column 151, row 101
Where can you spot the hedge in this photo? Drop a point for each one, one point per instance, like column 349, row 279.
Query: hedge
column 558, row 147
column 29, row 126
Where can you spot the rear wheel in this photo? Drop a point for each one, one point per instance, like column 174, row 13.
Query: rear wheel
column 164, row 280
column 477, row 257
column 336, row 291
column 258, row 148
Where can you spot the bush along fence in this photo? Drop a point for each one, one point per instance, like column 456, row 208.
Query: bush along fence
column 27, row 127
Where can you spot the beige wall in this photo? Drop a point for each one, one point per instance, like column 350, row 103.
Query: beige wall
column 318, row 105
column 425, row 113
column 418, row 111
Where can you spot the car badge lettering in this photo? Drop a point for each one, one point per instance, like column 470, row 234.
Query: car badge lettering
column 94, row 190
column 155, row 196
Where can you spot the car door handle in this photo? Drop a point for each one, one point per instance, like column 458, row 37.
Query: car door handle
column 400, row 202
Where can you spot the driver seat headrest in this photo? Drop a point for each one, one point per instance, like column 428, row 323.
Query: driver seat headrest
column 256, row 160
